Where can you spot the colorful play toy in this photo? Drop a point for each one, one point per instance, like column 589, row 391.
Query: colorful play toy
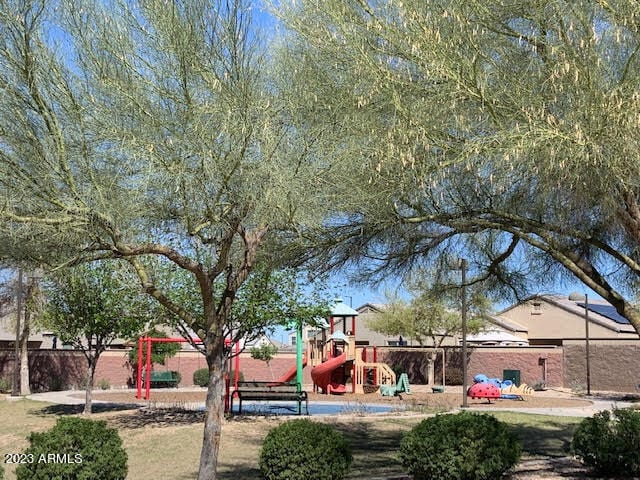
column 485, row 387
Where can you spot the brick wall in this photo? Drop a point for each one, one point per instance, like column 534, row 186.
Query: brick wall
column 613, row 366
column 491, row 361
column 64, row 369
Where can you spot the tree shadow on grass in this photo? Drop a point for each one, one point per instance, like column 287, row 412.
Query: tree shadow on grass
column 59, row 409
column 158, row 417
column 551, row 440
column 374, row 447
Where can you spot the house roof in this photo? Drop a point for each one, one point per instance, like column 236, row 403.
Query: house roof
column 377, row 307
column 507, row 324
column 8, row 330
column 596, row 310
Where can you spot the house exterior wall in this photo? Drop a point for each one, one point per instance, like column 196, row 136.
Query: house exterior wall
column 548, row 321
column 365, row 334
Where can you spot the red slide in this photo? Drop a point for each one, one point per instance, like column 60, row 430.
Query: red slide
column 322, row 374
column 291, row 373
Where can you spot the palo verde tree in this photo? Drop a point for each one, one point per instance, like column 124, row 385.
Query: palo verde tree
column 502, row 131
column 155, row 133
column 89, row 306
column 431, row 315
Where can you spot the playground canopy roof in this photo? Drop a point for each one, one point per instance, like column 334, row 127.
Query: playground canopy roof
column 341, row 309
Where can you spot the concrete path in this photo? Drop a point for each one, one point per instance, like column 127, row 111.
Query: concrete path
column 596, row 406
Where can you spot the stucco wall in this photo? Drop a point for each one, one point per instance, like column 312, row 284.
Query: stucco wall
column 613, row 367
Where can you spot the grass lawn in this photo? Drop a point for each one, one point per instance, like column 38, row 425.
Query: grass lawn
column 166, row 444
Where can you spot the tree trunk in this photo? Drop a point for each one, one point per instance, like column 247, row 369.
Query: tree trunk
column 25, row 388
column 88, row 392
column 213, row 416
column 431, row 358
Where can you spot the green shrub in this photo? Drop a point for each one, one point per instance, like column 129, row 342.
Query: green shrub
column 607, row 442
column 201, row 377
column 5, row 386
column 465, row 446
column 302, row 450
column 1, row 472
column 75, row 449
column 104, row 384
column 177, row 375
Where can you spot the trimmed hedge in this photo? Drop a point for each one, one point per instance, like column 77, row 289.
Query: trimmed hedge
column 607, row 442
column 201, row 377
column 303, row 450
column 465, row 446
column 75, row 449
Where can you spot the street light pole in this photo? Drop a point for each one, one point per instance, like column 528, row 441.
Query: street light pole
column 463, row 294
column 586, row 341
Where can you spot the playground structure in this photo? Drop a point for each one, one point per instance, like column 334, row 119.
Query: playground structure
column 336, row 360
column 485, row 387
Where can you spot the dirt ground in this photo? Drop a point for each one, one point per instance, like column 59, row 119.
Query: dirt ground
column 436, row 401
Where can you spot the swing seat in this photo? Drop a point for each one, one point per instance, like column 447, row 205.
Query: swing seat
column 166, row 378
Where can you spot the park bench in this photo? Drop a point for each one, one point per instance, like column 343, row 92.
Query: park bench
column 269, row 391
column 166, row 378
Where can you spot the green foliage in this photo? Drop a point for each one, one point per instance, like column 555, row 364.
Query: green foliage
column 432, row 313
column 465, row 446
column 104, row 384
column 5, row 385
column 201, row 377
column 93, row 451
column 302, row 449
column 463, row 151
column 94, row 303
column 264, row 352
column 160, row 351
column 1, row 472
column 607, row 442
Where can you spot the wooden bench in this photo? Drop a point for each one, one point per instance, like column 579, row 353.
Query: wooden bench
column 269, row 391
column 164, row 378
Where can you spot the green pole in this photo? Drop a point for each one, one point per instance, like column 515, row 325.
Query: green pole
column 299, row 356
column 299, row 363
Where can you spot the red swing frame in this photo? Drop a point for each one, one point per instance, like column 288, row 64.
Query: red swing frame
column 146, row 342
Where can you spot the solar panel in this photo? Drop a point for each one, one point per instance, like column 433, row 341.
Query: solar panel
column 607, row 311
